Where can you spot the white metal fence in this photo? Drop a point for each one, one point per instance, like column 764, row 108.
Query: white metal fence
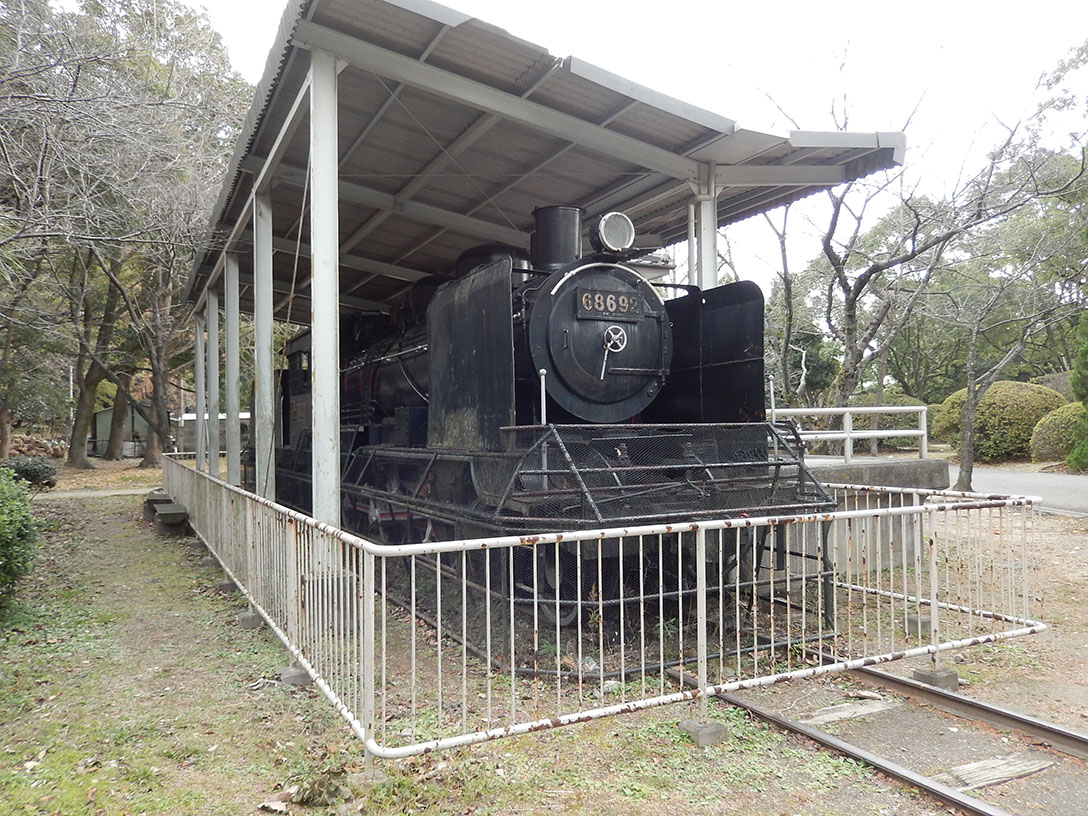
column 848, row 433
column 436, row 645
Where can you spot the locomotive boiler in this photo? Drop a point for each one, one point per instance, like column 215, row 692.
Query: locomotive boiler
column 550, row 391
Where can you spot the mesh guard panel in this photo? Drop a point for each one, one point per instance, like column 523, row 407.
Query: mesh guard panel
column 571, row 476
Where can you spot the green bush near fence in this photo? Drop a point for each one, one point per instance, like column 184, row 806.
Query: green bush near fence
column 1004, row 421
column 17, row 532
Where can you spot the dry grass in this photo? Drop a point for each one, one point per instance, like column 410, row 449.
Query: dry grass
column 104, row 475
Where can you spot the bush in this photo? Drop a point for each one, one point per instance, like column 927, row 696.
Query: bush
column 17, row 532
column 1053, row 437
column 36, row 470
column 1078, row 457
column 1004, row 420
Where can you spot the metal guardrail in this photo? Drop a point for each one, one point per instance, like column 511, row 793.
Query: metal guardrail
column 849, row 434
column 436, row 645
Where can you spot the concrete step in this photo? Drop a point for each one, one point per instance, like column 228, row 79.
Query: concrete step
column 171, row 513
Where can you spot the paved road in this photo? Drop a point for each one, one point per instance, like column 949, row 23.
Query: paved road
column 1064, row 492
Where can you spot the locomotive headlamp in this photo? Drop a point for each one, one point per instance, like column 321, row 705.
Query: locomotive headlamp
column 614, row 232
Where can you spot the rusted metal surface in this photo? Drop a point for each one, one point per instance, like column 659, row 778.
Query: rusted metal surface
column 434, row 645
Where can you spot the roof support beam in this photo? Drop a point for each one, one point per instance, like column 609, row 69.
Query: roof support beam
column 325, row 294
column 232, row 370
column 491, row 100
column 264, row 387
column 780, row 175
column 450, row 152
column 211, row 370
column 414, row 210
column 200, row 382
column 294, row 316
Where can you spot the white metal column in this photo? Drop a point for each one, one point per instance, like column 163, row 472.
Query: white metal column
column 708, row 231
column 201, row 402
column 212, row 317
column 234, row 431
column 263, row 428
column 325, row 289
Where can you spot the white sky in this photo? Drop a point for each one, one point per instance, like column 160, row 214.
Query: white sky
column 966, row 66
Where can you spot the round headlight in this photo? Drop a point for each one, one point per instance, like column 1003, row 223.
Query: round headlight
column 614, row 232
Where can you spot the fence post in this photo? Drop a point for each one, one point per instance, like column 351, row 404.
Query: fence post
column 700, row 596
column 366, row 608
column 923, row 428
column 848, row 443
column 933, row 589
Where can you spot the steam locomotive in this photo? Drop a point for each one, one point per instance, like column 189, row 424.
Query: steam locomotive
column 551, row 391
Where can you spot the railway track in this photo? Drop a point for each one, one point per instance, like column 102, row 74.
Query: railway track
column 1038, row 734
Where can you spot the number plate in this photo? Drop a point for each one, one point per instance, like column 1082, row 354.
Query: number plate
column 594, row 304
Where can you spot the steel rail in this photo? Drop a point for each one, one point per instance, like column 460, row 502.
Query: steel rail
column 1059, row 738
column 942, row 793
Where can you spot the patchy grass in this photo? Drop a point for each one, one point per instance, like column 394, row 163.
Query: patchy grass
column 127, row 688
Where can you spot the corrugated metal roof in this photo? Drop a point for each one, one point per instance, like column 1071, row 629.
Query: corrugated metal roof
column 452, row 131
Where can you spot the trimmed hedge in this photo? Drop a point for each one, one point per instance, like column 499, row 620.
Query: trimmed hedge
column 17, row 531
column 1078, row 457
column 1053, row 437
column 1004, row 420
column 37, row 470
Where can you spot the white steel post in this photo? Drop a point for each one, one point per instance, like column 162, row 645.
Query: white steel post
column 693, row 246
column 700, row 601
column 200, row 381
column 848, row 442
column 708, row 232
column 212, row 315
column 923, row 428
column 325, row 288
column 263, row 422
column 234, row 430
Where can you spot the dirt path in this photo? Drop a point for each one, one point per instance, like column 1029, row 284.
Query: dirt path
column 124, row 681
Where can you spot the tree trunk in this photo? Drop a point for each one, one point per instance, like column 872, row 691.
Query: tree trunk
column 84, row 415
column 878, row 399
column 115, row 448
column 152, row 452
column 5, row 432
column 967, row 442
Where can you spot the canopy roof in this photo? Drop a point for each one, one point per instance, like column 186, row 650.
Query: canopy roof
column 452, row 131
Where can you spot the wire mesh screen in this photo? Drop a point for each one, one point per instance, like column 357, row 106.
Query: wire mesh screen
column 638, row 473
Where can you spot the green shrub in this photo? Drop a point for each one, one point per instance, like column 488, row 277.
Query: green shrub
column 17, row 532
column 1053, row 437
column 1004, row 420
column 887, row 422
column 1078, row 457
column 36, row 470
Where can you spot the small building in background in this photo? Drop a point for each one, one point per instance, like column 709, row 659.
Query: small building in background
column 135, row 432
column 185, row 431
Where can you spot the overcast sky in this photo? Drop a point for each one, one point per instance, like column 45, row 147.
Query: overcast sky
column 949, row 73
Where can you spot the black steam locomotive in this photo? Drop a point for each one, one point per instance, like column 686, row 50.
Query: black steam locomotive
column 549, row 393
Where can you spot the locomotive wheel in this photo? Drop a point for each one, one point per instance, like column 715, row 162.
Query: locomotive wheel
column 561, row 583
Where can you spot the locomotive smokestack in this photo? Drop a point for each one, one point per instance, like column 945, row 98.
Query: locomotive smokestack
column 557, row 237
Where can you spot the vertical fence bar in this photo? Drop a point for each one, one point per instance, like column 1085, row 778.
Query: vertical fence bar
column 700, row 596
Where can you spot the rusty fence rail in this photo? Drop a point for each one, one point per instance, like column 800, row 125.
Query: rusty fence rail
column 441, row 644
